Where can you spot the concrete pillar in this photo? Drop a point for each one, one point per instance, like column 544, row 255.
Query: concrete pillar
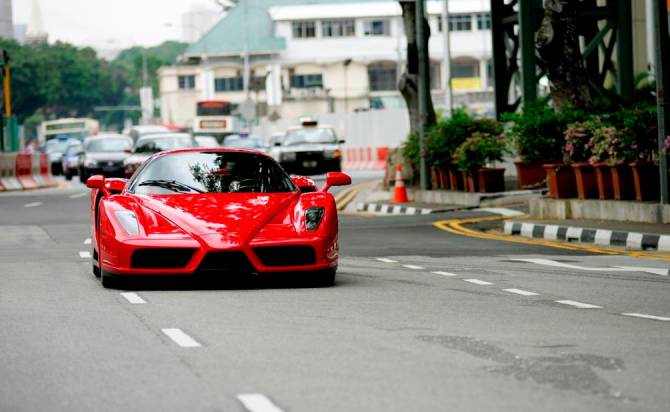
column 483, row 74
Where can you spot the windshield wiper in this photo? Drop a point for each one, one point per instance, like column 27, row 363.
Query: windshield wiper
column 171, row 185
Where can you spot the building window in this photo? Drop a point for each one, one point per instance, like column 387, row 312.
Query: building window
column 304, row 29
column 228, row 84
column 460, row 22
column 186, row 82
column 306, row 81
column 377, row 28
column 465, row 69
column 338, row 28
column 383, row 76
column 484, row 21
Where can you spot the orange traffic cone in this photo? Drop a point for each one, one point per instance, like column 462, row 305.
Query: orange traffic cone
column 399, row 189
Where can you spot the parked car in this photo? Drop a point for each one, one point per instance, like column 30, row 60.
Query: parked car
column 206, row 141
column 310, row 149
column 148, row 145
column 70, row 160
column 104, row 155
column 55, row 148
column 244, row 141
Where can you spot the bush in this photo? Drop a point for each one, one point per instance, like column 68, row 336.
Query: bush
column 578, row 140
column 478, row 150
column 607, row 145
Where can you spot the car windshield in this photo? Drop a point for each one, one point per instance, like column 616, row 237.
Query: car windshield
column 243, row 143
column 108, row 145
column 309, row 135
column 161, row 144
column 57, row 146
column 73, row 150
column 212, row 172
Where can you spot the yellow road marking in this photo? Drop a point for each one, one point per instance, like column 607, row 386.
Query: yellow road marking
column 456, row 226
column 343, row 198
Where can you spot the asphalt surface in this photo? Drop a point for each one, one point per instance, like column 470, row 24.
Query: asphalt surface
column 419, row 320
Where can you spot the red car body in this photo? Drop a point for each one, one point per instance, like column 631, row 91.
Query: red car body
column 189, row 233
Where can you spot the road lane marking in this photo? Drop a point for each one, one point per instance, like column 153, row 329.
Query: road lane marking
column 444, row 273
column 33, row 204
column 413, row 267
column 181, row 338
column 579, row 305
column 385, row 260
column 257, row 402
column 521, row 292
column 501, row 211
column 549, row 262
column 78, row 195
column 85, row 255
column 478, row 282
column 133, row 298
column 87, row 241
column 643, row 316
column 653, row 271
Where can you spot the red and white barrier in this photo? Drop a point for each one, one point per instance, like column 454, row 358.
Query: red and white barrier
column 365, row 158
column 24, row 171
column 8, row 178
column 45, row 170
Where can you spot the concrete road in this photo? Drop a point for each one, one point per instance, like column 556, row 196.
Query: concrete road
column 419, row 320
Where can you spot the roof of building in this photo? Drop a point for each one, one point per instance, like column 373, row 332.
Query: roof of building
column 226, row 37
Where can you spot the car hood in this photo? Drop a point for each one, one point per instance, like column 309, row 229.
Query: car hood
column 309, row 147
column 222, row 220
column 106, row 156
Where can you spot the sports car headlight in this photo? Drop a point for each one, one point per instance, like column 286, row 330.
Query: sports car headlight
column 129, row 221
column 287, row 157
column 90, row 163
column 332, row 154
column 313, row 217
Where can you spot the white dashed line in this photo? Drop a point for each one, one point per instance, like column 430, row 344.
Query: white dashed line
column 87, row 241
column 85, row 255
column 521, row 292
column 257, row 402
column 413, row 267
column 181, row 338
column 33, row 204
column 478, row 282
column 78, row 195
column 444, row 273
column 385, row 260
column 133, row 298
column 579, row 305
column 643, row 316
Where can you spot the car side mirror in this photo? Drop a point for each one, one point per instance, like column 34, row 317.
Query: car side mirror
column 98, row 182
column 336, row 179
column 115, row 185
column 305, row 184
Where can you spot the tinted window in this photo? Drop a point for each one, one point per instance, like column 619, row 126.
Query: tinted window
column 108, row 145
column 212, row 172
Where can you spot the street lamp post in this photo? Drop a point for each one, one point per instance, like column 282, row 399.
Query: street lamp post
column 422, row 91
column 662, row 45
column 447, row 56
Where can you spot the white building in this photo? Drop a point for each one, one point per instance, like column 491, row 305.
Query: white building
column 315, row 56
column 198, row 21
column 6, row 23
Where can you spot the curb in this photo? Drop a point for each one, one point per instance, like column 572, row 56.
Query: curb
column 600, row 237
column 386, row 209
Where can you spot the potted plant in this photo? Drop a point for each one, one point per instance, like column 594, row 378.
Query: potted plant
column 472, row 157
column 577, row 151
column 602, row 147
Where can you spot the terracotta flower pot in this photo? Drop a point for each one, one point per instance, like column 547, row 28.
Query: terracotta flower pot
column 530, row 174
column 585, row 178
column 646, row 181
column 491, row 180
column 443, row 177
column 455, row 178
column 604, row 180
column 561, row 181
column 622, row 182
column 434, row 178
column 470, row 181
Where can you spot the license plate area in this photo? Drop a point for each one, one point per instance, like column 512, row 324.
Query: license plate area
column 309, row 163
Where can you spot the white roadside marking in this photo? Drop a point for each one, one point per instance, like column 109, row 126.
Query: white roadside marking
column 579, row 305
column 444, row 273
column 78, row 195
column 181, row 338
column 85, row 255
column 33, row 204
column 133, row 298
column 549, row 262
column 521, row 292
column 478, row 282
column 257, row 402
column 87, row 241
column 413, row 267
column 385, row 260
column 643, row 316
column 502, row 211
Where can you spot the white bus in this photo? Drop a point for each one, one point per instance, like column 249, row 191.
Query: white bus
column 75, row 128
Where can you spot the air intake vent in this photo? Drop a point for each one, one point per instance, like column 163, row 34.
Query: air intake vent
column 226, row 261
column 286, row 255
column 161, row 258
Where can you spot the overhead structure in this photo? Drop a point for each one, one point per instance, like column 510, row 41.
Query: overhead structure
column 607, row 51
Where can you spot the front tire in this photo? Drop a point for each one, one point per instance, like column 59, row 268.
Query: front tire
column 82, row 176
column 108, row 281
column 323, row 278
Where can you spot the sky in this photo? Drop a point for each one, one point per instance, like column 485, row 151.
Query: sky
column 110, row 24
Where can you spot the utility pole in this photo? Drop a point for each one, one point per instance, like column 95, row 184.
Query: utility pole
column 662, row 47
column 447, row 57
column 247, row 68
column 423, row 91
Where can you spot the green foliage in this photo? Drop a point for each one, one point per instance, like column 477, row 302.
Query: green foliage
column 478, row 150
column 131, row 62
column 610, row 146
column 578, row 143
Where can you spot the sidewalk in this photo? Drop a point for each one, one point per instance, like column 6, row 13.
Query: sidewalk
column 630, row 235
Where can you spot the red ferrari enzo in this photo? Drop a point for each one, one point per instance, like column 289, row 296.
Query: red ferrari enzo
column 226, row 211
